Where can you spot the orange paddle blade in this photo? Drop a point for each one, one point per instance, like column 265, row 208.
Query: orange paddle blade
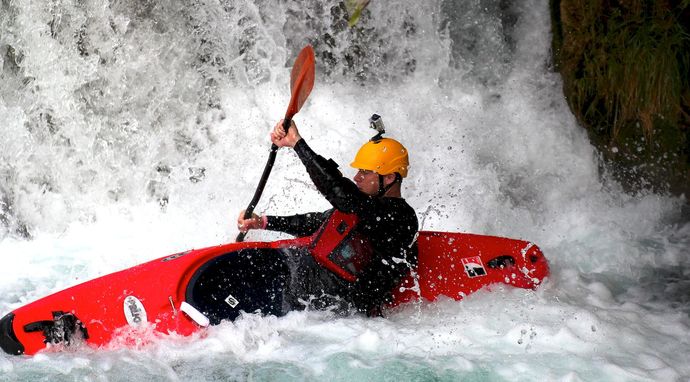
column 301, row 80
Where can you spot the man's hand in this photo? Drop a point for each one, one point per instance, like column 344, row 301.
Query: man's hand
column 281, row 139
column 254, row 222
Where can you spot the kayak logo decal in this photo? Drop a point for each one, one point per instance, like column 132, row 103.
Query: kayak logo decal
column 231, row 301
column 175, row 256
column 473, row 266
column 134, row 311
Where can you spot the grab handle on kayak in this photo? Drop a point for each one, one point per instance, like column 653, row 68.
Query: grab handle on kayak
column 194, row 314
column 501, row 262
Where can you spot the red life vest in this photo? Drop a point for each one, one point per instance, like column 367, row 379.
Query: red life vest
column 339, row 248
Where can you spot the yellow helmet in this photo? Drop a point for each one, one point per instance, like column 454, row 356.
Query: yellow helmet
column 383, row 156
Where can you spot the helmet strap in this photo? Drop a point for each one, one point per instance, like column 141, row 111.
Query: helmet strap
column 382, row 189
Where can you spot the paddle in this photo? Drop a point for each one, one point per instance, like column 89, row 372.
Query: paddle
column 301, row 83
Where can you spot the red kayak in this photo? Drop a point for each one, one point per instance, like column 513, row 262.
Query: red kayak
column 184, row 292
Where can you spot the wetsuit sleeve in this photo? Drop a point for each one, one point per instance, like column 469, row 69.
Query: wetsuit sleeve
column 341, row 192
column 298, row 225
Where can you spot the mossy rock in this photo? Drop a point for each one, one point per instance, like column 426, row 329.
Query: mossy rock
column 625, row 68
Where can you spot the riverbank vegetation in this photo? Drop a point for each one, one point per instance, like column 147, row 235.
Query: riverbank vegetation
column 626, row 68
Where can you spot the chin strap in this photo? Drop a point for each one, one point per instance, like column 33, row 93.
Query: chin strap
column 382, row 189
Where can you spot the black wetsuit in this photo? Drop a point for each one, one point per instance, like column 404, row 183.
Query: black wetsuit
column 390, row 225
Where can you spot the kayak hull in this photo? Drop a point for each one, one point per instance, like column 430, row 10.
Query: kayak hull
column 165, row 295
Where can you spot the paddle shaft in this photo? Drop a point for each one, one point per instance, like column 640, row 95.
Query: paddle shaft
column 301, row 83
column 264, row 178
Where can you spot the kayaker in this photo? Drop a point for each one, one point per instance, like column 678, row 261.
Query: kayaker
column 369, row 235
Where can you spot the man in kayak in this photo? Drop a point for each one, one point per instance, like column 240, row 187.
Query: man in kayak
column 366, row 244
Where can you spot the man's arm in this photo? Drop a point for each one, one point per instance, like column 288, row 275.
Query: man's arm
column 341, row 192
column 298, row 225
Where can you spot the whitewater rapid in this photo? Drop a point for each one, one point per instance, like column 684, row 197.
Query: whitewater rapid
column 132, row 130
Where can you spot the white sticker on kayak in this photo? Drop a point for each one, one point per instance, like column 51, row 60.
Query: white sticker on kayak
column 134, row 311
column 175, row 256
column 231, row 301
column 473, row 266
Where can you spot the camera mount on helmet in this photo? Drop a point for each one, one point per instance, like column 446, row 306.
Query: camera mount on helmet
column 376, row 123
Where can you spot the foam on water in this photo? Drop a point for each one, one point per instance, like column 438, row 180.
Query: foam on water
column 132, row 130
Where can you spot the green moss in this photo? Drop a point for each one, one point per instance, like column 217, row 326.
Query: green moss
column 626, row 68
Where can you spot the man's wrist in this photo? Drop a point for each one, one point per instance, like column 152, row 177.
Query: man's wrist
column 297, row 142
